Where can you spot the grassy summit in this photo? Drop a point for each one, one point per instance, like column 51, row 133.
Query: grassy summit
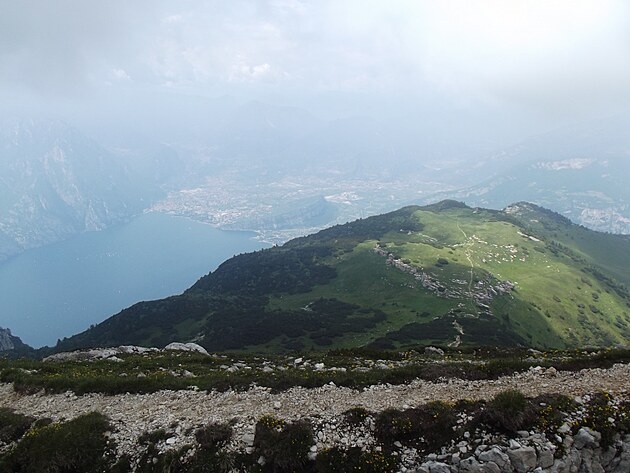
column 442, row 274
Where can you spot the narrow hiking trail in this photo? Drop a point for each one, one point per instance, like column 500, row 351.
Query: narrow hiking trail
column 468, row 243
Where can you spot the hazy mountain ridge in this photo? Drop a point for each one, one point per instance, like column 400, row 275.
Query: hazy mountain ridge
column 580, row 172
column 55, row 182
column 444, row 273
column 289, row 155
column 253, row 165
column 590, row 192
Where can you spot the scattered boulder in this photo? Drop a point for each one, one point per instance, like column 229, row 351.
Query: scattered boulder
column 435, row 467
column 586, row 438
column 135, row 349
column 433, row 351
column 83, row 355
column 523, row 459
column 496, row 456
column 186, row 347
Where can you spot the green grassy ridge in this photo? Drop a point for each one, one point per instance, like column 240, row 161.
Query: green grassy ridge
column 609, row 252
column 564, row 293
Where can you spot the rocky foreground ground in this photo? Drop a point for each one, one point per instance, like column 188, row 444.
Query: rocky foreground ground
column 179, row 413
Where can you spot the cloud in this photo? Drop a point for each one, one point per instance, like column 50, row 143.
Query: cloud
column 56, row 48
column 120, row 74
column 244, row 72
column 532, row 53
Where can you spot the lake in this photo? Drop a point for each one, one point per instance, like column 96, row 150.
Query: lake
column 61, row 289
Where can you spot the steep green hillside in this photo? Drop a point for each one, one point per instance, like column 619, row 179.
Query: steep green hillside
column 441, row 274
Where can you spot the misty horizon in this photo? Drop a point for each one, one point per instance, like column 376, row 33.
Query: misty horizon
column 538, row 65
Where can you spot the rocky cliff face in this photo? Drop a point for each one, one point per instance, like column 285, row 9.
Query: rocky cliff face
column 6, row 340
column 12, row 346
column 55, row 182
column 606, row 219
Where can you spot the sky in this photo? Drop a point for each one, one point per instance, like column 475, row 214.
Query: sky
column 551, row 61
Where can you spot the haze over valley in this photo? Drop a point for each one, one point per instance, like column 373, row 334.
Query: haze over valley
column 285, row 118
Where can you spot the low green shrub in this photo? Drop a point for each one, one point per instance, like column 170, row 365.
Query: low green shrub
column 209, row 456
column 332, row 460
column 439, row 421
column 551, row 411
column 355, row 416
column 509, row 411
column 213, row 436
column 354, row 460
column 396, row 425
column 285, row 446
column 78, row 445
column 606, row 416
column 152, row 437
column 170, row 461
column 13, row 425
column 430, row 426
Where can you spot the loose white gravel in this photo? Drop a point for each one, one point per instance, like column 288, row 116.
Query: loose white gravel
column 180, row 412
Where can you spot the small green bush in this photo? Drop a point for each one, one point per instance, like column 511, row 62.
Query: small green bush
column 510, row 401
column 284, row 446
column 213, row 436
column 332, row 460
column 78, row 445
column 170, row 461
column 396, row 425
column 551, row 410
column 433, row 423
column 13, row 425
column 606, row 416
column 209, row 457
column 509, row 411
column 355, row 415
column 153, row 437
column 354, row 460
column 206, row 458
column 439, row 420
column 374, row 461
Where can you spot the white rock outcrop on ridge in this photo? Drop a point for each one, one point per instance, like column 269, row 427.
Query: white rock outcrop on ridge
column 111, row 353
column 186, row 347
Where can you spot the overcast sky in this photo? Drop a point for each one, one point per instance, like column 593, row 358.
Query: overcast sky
column 552, row 58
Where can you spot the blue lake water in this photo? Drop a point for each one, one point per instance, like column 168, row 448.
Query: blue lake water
column 61, row 289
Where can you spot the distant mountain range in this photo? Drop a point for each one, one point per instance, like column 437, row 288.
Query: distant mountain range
column 55, row 182
column 442, row 274
column 591, row 192
column 581, row 173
